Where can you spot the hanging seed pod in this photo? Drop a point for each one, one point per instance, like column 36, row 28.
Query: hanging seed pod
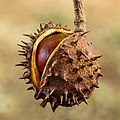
column 61, row 64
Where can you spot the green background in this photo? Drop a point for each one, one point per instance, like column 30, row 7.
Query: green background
column 23, row 16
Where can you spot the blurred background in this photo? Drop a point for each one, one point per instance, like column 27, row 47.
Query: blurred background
column 23, row 16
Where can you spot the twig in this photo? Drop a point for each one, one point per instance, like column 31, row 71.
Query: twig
column 80, row 19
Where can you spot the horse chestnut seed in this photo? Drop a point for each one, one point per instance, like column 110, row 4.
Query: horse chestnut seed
column 46, row 47
column 61, row 66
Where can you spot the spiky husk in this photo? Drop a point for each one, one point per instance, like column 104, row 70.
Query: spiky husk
column 71, row 72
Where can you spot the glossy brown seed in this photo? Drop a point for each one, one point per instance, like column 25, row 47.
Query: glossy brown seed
column 46, row 47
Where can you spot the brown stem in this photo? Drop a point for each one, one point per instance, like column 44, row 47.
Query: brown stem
column 80, row 19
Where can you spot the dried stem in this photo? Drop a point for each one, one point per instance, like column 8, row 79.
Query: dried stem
column 80, row 19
